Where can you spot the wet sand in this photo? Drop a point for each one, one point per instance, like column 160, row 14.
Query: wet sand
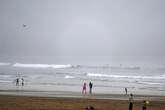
column 14, row 102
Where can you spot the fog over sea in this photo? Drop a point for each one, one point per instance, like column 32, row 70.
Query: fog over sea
column 107, row 78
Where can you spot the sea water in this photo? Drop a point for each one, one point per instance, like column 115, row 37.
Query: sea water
column 70, row 78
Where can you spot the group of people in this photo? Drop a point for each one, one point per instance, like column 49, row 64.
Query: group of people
column 144, row 105
column 84, row 89
column 19, row 81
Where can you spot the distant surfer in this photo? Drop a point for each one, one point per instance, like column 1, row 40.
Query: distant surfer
column 84, row 90
column 90, row 87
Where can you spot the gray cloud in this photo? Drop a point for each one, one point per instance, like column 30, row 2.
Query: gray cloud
column 82, row 28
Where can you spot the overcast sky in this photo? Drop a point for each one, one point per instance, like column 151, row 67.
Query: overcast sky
column 82, row 28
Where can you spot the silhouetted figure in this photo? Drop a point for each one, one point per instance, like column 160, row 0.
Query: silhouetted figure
column 84, row 90
column 89, row 108
column 90, row 87
column 126, row 91
column 17, row 82
column 144, row 107
column 22, row 81
column 131, row 101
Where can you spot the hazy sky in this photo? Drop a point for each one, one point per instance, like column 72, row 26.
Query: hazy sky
column 82, row 28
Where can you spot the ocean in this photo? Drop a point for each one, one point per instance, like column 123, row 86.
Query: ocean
column 106, row 79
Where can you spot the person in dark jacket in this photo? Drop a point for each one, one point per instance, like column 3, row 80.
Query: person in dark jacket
column 90, row 87
column 131, row 101
column 126, row 91
column 144, row 107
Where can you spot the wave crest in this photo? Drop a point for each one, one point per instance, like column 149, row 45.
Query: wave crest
column 125, row 76
column 41, row 65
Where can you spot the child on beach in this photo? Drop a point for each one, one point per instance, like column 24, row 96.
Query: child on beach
column 144, row 107
column 84, row 91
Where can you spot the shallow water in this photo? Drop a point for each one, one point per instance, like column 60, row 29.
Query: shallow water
column 106, row 79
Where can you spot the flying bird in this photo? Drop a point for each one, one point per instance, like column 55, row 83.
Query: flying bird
column 23, row 25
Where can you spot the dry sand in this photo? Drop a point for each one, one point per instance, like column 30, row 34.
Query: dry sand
column 13, row 102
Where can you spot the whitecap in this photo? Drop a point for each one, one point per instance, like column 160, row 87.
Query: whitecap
column 41, row 65
column 124, row 76
column 69, row 77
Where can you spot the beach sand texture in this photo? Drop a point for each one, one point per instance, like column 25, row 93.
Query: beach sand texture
column 9, row 102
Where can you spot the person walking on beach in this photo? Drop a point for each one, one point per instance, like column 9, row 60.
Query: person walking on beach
column 84, row 90
column 126, row 91
column 131, row 101
column 90, row 87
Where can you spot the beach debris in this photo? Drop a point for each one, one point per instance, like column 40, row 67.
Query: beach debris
column 89, row 108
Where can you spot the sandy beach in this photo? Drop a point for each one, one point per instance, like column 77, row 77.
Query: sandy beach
column 69, row 101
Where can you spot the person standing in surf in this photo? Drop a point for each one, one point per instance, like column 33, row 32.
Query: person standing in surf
column 125, row 91
column 90, row 87
column 17, row 81
column 84, row 89
column 22, row 81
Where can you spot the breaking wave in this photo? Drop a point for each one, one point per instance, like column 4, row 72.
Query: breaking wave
column 69, row 77
column 41, row 65
column 125, row 76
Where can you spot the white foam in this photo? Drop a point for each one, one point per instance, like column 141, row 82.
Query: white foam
column 4, row 64
column 41, row 65
column 69, row 77
column 124, row 76
column 150, row 83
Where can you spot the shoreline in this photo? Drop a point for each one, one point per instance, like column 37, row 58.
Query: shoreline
column 64, row 94
column 15, row 102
